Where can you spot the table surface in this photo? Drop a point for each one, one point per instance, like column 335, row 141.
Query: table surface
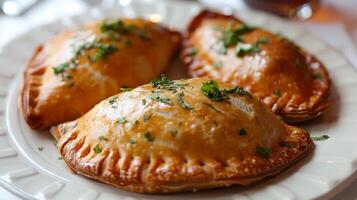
column 328, row 17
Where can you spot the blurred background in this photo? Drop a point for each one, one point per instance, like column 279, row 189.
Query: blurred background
column 334, row 21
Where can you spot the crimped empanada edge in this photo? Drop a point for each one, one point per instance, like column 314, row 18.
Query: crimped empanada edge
column 27, row 99
column 285, row 156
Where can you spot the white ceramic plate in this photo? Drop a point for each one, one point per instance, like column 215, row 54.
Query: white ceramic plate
column 34, row 174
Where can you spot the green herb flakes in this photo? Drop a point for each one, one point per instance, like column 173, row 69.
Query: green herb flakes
column 161, row 82
column 149, row 137
column 192, row 51
column 116, row 26
column 317, row 76
column 320, row 138
column 174, row 133
column 143, row 102
column 125, row 89
column 102, row 138
column 40, row 148
column 158, row 98
column 132, row 141
column 231, row 36
column 122, row 120
column 182, row 103
column 97, row 149
column 263, row 40
column 60, row 68
column 237, row 90
column 211, row 90
column 277, row 93
column 299, row 63
column 243, row 49
column 265, row 152
column 218, row 64
column 103, row 50
column 112, row 100
column 212, row 107
column 242, row 131
column 147, row 117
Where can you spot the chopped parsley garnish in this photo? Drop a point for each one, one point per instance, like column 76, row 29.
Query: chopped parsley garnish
column 131, row 141
column 147, row 117
column 320, row 138
column 192, row 51
column 212, row 107
column 122, row 120
column 138, row 31
column 299, row 63
column 112, row 100
column 183, row 104
column 149, row 137
column 60, row 68
column 127, row 42
column 109, row 31
column 234, row 37
column 242, row 131
column 211, row 90
column 174, row 133
column 142, row 35
column 103, row 50
column 102, row 137
column 125, row 89
column 231, row 36
column 237, row 90
column 143, row 102
column 277, row 93
column 116, row 26
column 317, row 76
column 156, row 97
column 218, row 64
column 40, row 148
column 221, row 48
column 265, row 152
column 97, row 149
column 243, row 49
column 162, row 82
column 263, row 40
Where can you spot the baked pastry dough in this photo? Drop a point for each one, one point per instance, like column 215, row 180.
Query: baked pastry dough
column 293, row 83
column 173, row 136
column 76, row 69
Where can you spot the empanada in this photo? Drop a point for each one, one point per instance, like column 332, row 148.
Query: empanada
column 173, row 136
column 293, row 83
column 75, row 70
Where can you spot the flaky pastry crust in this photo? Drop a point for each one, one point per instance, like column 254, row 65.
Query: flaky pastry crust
column 293, row 83
column 75, row 70
column 179, row 140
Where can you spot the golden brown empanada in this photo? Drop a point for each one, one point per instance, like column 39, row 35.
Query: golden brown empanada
column 76, row 69
column 173, row 136
column 293, row 83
